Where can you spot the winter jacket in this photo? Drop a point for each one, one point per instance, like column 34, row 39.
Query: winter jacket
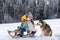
column 31, row 28
column 24, row 25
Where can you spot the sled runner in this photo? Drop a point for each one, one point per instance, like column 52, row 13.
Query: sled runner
column 13, row 33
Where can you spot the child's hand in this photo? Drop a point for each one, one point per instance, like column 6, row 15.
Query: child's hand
column 18, row 27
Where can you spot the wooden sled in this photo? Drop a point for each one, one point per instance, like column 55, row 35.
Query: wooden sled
column 15, row 34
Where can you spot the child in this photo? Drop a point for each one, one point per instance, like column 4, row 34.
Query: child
column 24, row 25
column 30, row 16
column 31, row 28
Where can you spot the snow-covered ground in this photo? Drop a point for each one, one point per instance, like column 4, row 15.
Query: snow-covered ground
column 54, row 24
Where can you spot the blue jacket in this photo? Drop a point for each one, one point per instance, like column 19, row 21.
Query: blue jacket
column 25, row 25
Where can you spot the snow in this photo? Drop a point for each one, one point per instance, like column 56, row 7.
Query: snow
column 54, row 24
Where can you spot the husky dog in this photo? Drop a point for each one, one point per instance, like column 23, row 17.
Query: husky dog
column 46, row 30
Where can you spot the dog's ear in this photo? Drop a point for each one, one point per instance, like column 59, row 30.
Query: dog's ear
column 41, row 21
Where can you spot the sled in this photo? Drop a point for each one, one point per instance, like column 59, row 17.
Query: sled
column 15, row 34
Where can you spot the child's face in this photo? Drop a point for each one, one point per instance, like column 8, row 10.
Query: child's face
column 22, row 20
column 28, row 19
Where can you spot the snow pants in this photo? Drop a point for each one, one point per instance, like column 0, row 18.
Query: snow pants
column 22, row 30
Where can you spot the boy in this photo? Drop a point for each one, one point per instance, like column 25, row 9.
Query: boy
column 24, row 25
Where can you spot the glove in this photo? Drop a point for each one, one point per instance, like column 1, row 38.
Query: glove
column 18, row 27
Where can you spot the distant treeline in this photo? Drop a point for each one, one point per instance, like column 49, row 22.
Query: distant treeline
column 12, row 10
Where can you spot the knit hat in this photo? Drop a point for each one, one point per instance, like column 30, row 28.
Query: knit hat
column 24, row 17
column 30, row 16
